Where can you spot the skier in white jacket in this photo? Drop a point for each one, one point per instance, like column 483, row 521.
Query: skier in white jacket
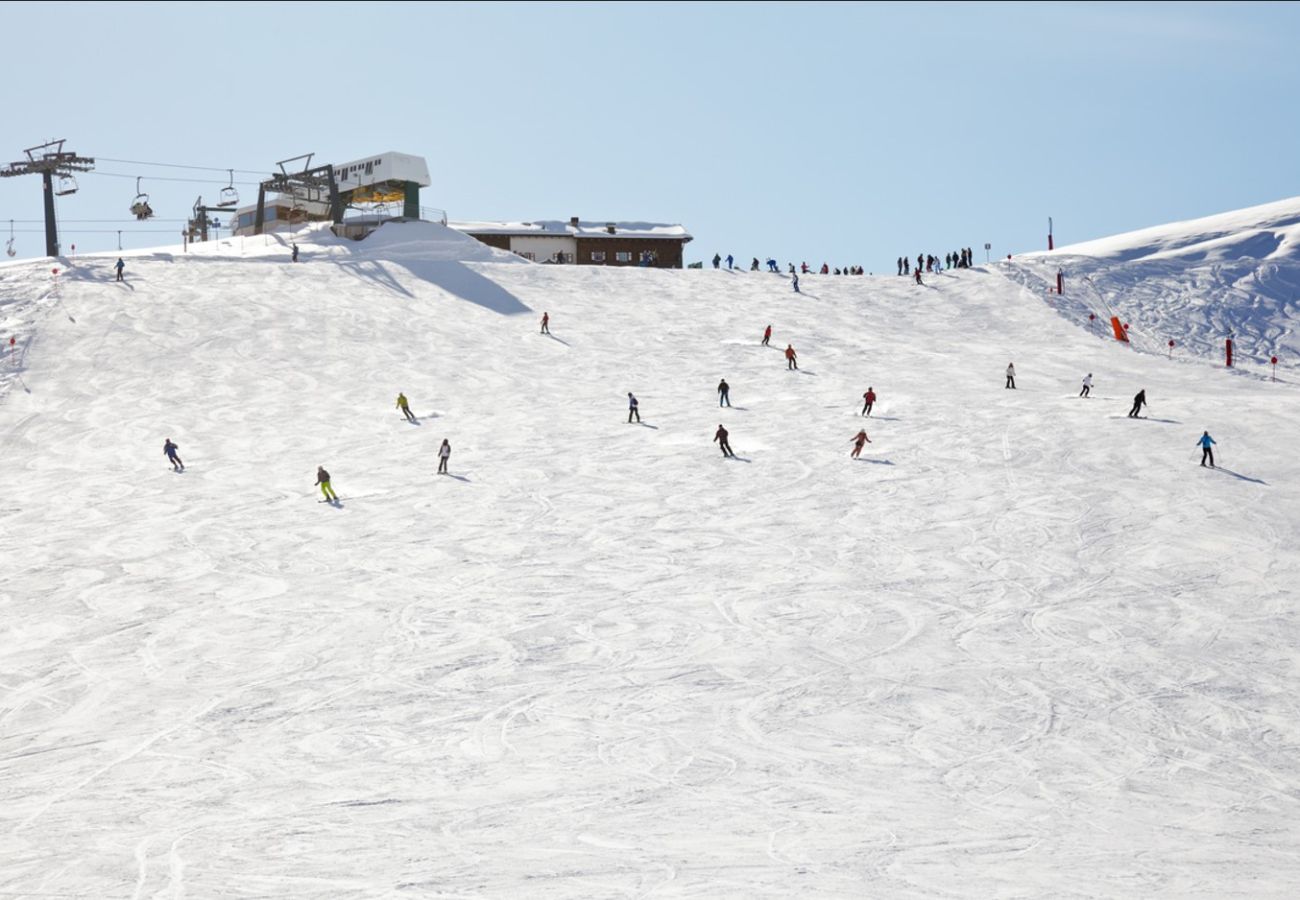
column 1011, row 376
column 1087, row 385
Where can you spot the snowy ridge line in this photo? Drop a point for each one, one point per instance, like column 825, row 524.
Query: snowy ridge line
column 1197, row 282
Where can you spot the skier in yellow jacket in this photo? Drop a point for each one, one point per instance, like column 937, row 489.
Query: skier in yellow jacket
column 405, row 407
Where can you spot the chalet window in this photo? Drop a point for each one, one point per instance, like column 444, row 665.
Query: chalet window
column 623, row 256
column 597, row 255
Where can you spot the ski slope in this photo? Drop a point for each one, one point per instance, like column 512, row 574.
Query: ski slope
column 1025, row 647
column 1197, row 283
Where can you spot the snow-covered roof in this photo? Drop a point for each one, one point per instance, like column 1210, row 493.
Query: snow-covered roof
column 563, row 228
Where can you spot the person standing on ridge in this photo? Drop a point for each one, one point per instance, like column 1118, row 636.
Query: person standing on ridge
column 858, row 440
column 795, row 277
column 119, row 265
column 323, row 479
column 1087, row 385
column 791, row 358
column 1205, row 442
column 1139, row 401
column 717, row 261
column 1011, row 377
column 405, row 407
column 767, row 335
column 724, row 393
column 169, row 449
column 295, row 253
column 444, row 454
column 546, row 323
column 730, row 260
column 721, row 438
column 632, row 409
column 868, row 401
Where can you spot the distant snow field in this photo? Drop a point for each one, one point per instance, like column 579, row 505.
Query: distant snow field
column 1024, row 647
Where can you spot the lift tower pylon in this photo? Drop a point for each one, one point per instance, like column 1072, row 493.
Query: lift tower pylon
column 53, row 162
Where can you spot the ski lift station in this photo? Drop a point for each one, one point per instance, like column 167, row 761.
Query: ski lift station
column 373, row 185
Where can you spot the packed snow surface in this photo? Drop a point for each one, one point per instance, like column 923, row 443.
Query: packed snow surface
column 1024, row 647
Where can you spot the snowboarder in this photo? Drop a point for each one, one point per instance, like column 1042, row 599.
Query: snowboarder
column 169, row 449
column 724, row 393
column 721, row 438
column 1087, row 385
column 444, row 454
column 295, row 252
column 405, row 407
column 1011, row 377
column 858, row 440
column 632, row 409
column 730, row 260
column 717, row 261
column 791, row 358
column 1139, row 400
column 753, row 266
column 868, row 401
column 323, row 479
column 1205, row 442
column 795, row 277
column 546, row 323
column 767, row 335
column 119, row 265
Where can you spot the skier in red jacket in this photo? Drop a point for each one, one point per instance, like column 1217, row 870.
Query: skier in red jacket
column 546, row 323
column 868, row 401
column 767, row 335
column 791, row 358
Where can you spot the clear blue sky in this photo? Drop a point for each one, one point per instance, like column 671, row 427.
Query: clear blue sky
column 845, row 133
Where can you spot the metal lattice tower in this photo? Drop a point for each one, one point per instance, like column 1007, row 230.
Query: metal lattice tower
column 54, row 162
column 312, row 183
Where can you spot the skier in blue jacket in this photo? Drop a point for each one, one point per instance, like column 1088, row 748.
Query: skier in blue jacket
column 169, row 449
column 1205, row 443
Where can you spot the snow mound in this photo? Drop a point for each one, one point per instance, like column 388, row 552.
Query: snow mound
column 1197, row 283
column 428, row 241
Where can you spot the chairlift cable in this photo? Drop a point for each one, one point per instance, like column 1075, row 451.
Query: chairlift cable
column 136, row 162
column 164, row 178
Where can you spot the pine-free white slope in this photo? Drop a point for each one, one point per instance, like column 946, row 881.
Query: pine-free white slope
column 1232, row 275
column 1027, row 648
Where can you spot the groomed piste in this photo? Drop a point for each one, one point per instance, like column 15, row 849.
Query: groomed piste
column 1024, row 646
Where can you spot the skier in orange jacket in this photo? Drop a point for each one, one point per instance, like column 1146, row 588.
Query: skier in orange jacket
column 791, row 358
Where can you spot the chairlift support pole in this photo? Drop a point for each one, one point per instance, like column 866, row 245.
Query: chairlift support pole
column 51, row 228
column 54, row 162
column 309, row 183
